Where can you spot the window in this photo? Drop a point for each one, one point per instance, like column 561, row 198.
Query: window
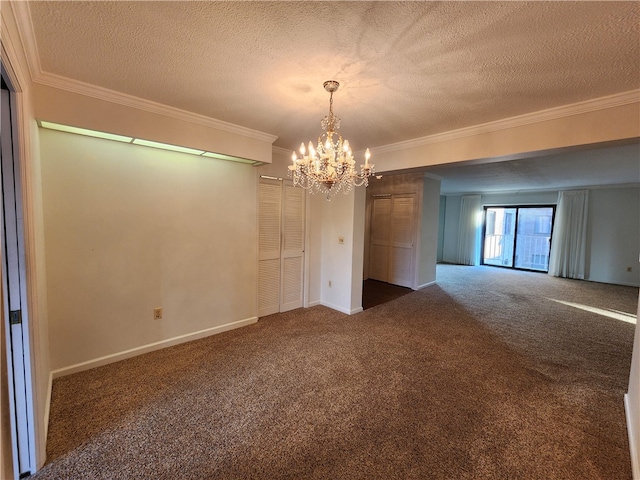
column 518, row 237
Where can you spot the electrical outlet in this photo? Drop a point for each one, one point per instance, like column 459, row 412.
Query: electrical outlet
column 330, row 283
column 157, row 313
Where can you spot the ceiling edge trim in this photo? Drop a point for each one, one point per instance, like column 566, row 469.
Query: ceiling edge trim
column 75, row 86
column 9, row 56
column 281, row 151
column 29, row 43
column 22, row 16
column 610, row 101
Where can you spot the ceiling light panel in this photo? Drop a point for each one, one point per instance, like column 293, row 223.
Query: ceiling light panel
column 145, row 143
column 166, row 146
column 85, row 132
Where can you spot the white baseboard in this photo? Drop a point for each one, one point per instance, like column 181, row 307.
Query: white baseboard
column 116, row 357
column 634, row 443
column 425, row 285
column 340, row 309
column 314, row 303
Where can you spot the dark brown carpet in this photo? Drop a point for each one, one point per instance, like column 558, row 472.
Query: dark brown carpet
column 482, row 376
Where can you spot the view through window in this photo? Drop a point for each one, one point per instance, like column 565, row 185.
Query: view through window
column 518, row 237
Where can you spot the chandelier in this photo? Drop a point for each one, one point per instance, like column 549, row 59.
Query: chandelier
column 329, row 167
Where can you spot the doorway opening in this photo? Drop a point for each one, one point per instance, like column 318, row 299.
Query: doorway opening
column 375, row 292
column 518, row 237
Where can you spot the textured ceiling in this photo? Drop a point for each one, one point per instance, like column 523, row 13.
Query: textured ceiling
column 407, row 69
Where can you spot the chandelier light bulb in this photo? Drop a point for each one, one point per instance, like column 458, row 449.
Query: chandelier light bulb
column 329, row 167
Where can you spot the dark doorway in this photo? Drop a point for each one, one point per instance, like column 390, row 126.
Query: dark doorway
column 375, row 292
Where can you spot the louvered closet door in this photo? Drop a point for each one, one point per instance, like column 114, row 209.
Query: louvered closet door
column 292, row 247
column 281, row 247
column 402, row 240
column 270, row 213
column 380, row 239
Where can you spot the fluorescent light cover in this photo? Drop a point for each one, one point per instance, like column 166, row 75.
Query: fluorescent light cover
column 86, row 132
column 166, row 146
column 145, row 143
column 222, row 156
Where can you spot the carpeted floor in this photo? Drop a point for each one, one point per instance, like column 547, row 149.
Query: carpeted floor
column 482, row 376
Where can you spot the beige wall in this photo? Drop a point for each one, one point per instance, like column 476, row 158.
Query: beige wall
column 342, row 217
column 130, row 228
column 428, row 237
column 612, row 124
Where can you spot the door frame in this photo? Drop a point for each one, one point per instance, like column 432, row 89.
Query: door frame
column 20, row 180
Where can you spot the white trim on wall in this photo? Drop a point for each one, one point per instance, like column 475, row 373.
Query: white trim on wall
column 133, row 352
column 593, row 105
column 428, row 284
column 23, row 18
column 342, row 310
column 112, row 96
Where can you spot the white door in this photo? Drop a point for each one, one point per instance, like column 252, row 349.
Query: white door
column 269, row 228
column 392, row 239
column 292, row 272
column 14, row 293
column 281, row 246
column 380, row 239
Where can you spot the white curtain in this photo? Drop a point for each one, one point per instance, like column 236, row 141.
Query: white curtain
column 569, row 241
column 470, row 230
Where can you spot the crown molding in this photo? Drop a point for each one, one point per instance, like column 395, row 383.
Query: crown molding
column 75, row 86
column 25, row 27
column 9, row 55
column 28, row 39
column 281, row 151
column 593, row 105
column 22, row 16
